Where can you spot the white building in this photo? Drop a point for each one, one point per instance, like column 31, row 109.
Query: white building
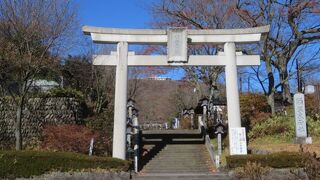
column 43, row 85
column 309, row 89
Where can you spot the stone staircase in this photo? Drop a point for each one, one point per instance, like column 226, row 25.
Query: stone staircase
column 186, row 159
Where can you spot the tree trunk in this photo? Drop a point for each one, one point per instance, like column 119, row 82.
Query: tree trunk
column 299, row 79
column 17, row 131
column 271, row 86
column 214, row 91
column 285, row 87
column 271, row 103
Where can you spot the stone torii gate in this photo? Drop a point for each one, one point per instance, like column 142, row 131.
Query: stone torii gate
column 177, row 40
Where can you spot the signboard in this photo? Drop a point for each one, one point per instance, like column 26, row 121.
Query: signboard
column 217, row 161
column 238, row 141
column 300, row 115
column 177, row 45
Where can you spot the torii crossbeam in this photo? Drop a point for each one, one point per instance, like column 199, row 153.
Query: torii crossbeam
column 177, row 40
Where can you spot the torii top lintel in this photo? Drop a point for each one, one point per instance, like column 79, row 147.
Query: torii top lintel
column 160, row 36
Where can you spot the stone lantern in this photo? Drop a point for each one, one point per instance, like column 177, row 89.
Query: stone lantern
column 204, row 105
column 130, row 106
column 191, row 112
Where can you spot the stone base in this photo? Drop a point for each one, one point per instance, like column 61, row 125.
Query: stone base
column 303, row 140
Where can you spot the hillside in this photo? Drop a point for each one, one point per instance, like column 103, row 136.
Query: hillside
column 160, row 100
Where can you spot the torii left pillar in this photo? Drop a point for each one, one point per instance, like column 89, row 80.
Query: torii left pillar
column 120, row 102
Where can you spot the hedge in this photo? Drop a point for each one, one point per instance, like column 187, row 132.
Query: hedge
column 15, row 164
column 274, row 160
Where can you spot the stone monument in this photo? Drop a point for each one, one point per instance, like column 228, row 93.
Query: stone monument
column 300, row 120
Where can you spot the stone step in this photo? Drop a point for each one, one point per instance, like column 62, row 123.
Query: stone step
column 176, row 167
column 166, row 170
column 182, row 159
column 177, row 171
column 191, row 146
column 169, row 166
column 177, row 158
column 178, row 163
column 173, row 141
column 172, row 157
column 182, row 155
column 181, row 178
column 178, row 149
column 174, row 146
column 194, row 146
column 155, row 164
column 181, row 150
column 176, row 176
column 164, row 162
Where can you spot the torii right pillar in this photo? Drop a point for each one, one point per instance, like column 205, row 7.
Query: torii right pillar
column 237, row 134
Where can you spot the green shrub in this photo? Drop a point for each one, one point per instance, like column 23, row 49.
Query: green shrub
column 15, row 164
column 274, row 160
column 313, row 126
column 281, row 126
column 64, row 92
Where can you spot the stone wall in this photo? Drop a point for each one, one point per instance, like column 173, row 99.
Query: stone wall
column 37, row 113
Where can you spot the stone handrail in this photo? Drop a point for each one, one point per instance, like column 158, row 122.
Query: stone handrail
column 209, row 146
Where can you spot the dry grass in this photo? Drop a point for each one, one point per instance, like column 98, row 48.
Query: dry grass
column 278, row 145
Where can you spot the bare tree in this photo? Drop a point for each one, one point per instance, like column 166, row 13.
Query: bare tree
column 77, row 73
column 294, row 24
column 304, row 65
column 134, row 82
column 103, row 87
column 32, row 33
column 202, row 14
column 181, row 98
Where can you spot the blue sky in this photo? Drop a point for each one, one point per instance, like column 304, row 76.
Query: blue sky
column 114, row 13
column 119, row 14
